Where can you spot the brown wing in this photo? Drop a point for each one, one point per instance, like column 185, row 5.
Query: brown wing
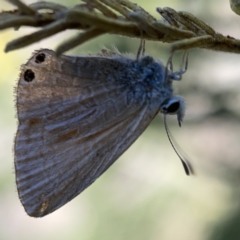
column 74, row 122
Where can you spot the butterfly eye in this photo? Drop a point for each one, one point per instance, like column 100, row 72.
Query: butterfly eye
column 40, row 58
column 172, row 108
column 174, row 105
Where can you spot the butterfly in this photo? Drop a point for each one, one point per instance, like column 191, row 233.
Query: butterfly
column 77, row 115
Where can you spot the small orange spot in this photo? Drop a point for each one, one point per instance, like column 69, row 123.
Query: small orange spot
column 44, row 206
column 34, row 121
column 68, row 135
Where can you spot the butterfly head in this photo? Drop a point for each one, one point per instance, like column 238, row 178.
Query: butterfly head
column 172, row 106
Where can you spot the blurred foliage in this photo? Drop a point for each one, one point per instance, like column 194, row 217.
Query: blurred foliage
column 235, row 6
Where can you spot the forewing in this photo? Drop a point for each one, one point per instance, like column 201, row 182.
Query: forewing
column 73, row 124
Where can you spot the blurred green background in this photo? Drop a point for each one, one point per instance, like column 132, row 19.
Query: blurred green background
column 145, row 195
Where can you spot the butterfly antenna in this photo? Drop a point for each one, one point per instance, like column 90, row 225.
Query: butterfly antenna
column 187, row 167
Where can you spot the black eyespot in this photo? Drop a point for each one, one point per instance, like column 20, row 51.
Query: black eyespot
column 173, row 107
column 29, row 75
column 40, row 58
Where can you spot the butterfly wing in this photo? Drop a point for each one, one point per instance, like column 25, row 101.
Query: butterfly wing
column 73, row 124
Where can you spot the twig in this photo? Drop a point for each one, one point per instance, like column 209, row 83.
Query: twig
column 121, row 17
